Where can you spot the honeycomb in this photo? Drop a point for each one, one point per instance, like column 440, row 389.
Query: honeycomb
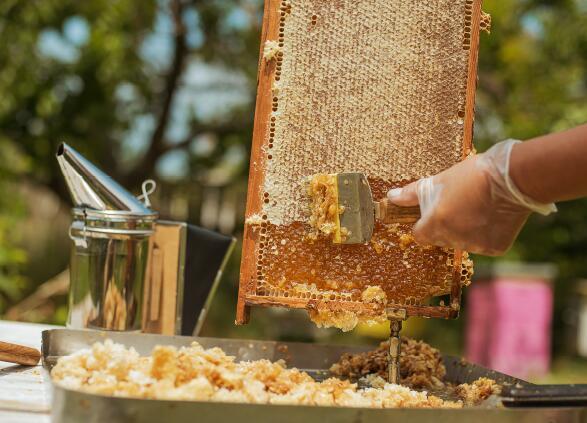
column 383, row 87
column 325, row 210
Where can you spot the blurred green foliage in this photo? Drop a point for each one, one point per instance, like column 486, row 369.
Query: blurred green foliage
column 108, row 78
column 12, row 257
column 90, row 72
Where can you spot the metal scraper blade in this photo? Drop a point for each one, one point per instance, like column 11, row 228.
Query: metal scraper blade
column 358, row 216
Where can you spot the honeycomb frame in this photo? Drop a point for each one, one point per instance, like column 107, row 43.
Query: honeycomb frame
column 251, row 290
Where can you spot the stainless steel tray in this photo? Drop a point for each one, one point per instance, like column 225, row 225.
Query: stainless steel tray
column 73, row 406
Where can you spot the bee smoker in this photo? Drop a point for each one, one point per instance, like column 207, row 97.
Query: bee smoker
column 130, row 271
column 110, row 231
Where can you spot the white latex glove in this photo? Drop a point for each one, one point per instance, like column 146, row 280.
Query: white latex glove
column 472, row 206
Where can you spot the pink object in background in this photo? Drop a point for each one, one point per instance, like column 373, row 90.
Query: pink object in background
column 509, row 314
column 478, row 316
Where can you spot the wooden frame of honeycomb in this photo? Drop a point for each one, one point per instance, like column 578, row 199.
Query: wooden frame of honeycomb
column 277, row 257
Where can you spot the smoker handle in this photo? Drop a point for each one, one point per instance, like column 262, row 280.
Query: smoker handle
column 544, row 395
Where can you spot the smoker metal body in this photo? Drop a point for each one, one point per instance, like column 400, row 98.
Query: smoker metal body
column 73, row 406
column 110, row 232
column 108, row 266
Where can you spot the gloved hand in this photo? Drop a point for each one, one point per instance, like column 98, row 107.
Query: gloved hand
column 473, row 206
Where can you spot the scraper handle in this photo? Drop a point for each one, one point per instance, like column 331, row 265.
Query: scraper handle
column 544, row 395
column 19, row 354
column 387, row 212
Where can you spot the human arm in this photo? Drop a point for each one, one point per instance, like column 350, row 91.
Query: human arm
column 481, row 203
column 553, row 167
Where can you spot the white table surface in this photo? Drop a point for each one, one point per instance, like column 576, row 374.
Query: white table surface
column 25, row 395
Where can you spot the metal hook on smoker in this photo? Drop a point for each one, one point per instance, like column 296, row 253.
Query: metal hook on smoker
column 147, row 191
column 81, row 227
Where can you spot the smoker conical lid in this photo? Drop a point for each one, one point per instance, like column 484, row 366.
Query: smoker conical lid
column 91, row 188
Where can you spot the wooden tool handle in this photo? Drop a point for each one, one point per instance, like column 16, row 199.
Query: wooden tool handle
column 387, row 212
column 19, row 354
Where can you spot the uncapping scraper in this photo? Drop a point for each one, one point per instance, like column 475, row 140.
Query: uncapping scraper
column 350, row 195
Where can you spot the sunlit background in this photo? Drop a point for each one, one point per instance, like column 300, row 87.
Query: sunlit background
column 166, row 89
